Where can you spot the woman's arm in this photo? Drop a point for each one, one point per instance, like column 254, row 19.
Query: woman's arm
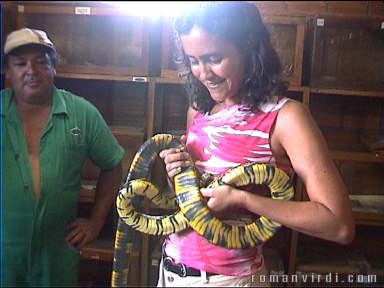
column 328, row 214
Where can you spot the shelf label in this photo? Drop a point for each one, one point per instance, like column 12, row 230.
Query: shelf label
column 139, row 79
column 320, row 21
column 83, row 10
column 20, row 8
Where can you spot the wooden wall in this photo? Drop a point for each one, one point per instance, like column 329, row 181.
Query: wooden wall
column 308, row 8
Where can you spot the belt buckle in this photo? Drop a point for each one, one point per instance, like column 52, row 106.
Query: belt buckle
column 182, row 272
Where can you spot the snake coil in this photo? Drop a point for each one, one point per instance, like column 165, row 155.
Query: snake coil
column 192, row 210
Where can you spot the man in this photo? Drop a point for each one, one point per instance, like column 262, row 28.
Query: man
column 47, row 134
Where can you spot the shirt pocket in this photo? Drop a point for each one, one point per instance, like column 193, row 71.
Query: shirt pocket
column 74, row 145
column 70, row 159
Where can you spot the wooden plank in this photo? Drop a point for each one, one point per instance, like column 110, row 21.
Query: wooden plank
column 357, row 156
column 299, row 54
column 70, row 9
column 271, row 7
column 357, row 93
column 348, row 7
column 284, row 19
column 306, row 96
column 168, row 68
column 169, row 78
column 104, row 70
column 293, row 252
column 89, row 76
column 144, row 267
column 101, row 250
column 41, row 9
column 171, row 74
column 376, row 8
column 131, row 141
column 294, row 235
column 118, row 130
column 306, row 7
column 150, row 109
column 370, row 219
column 297, row 88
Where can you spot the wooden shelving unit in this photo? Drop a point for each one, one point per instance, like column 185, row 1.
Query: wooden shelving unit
column 353, row 125
column 112, row 72
column 136, row 104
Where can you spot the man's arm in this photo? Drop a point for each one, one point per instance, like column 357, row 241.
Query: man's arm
column 83, row 230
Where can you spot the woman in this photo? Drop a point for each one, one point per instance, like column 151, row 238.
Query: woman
column 237, row 116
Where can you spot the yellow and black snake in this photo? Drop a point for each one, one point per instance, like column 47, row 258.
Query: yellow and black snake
column 193, row 211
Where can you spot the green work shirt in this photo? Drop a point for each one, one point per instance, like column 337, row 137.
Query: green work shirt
column 34, row 249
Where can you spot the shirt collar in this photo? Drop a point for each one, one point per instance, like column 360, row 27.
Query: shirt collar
column 6, row 102
column 58, row 104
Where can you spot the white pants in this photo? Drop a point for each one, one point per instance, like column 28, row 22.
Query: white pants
column 170, row 279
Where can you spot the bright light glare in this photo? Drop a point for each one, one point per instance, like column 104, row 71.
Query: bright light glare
column 152, row 8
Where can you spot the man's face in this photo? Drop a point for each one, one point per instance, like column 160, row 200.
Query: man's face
column 30, row 73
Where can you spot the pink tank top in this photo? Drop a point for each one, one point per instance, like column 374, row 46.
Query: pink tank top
column 233, row 136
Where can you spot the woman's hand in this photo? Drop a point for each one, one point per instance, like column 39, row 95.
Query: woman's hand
column 223, row 197
column 175, row 160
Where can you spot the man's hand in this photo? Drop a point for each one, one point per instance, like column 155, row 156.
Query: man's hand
column 83, row 231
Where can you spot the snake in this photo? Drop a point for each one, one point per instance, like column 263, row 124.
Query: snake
column 192, row 210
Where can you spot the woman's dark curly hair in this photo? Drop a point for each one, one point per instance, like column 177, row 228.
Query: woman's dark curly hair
column 240, row 24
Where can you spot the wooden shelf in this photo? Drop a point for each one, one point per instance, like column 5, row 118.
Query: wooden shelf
column 317, row 256
column 368, row 209
column 357, row 156
column 370, row 219
column 171, row 75
column 69, row 8
column 88, row 76
column 297, row 88
column 101, row 250
column 126, row 131
column 172, row 78
column 357, row 93
column 168, row 79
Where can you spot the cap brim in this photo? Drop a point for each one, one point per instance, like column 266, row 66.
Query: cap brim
column 34, row 46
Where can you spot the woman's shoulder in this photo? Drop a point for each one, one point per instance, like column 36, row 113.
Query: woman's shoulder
column 293, row 107
column 294, row 115
column 273, row 104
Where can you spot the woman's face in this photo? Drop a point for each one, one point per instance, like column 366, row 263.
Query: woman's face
column 216, row 63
